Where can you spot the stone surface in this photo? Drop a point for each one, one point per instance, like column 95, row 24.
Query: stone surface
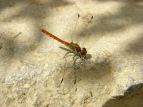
column 33, row 72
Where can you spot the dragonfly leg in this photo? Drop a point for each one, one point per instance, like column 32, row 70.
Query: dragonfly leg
column 78, row 56
column 66, row 55
column 74, row 59
column 83, row 59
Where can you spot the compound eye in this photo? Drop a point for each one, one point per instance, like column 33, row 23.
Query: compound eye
column 83, row 51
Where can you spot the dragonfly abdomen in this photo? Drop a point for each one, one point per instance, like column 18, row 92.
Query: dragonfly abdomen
column 54, row 37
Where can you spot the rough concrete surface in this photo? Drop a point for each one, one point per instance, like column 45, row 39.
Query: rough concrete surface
column 33, row 72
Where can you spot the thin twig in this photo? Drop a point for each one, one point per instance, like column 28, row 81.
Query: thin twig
column 17, row 34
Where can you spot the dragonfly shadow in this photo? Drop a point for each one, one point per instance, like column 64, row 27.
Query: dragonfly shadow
column 93, row 75
column 88, row 56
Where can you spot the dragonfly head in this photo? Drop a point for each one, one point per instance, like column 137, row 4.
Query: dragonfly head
column 83, row 51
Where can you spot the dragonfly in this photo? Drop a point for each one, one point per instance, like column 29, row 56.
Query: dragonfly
column 74, row 47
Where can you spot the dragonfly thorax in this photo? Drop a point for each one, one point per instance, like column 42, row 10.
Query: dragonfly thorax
column 76, row 48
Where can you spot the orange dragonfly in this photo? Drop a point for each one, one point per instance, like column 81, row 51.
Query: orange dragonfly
column 76, row 49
